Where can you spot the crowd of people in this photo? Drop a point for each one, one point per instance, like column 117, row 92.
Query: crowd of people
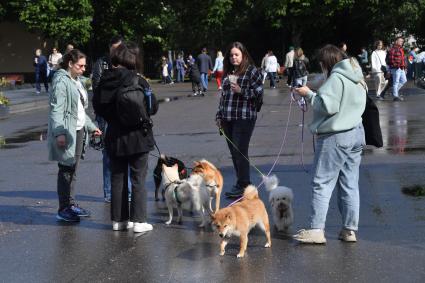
column 121, row 96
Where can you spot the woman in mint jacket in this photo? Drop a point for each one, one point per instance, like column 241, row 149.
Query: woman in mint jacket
column 337, row 107
column 69, row 126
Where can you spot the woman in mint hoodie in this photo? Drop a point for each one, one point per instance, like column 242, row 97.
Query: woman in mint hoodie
column 337, row 123
column 69, row 126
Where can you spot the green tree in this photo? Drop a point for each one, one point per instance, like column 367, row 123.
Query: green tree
column 60, row 20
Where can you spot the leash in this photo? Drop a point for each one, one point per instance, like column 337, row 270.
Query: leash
column 277, row 157
column 302, row 104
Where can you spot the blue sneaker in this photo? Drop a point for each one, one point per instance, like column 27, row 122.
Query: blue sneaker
column 68, row 215
column 80, row 211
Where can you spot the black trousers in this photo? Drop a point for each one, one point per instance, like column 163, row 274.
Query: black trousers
column 67, row 175
column 138, row 164
column 239, row 132
column 290, row 75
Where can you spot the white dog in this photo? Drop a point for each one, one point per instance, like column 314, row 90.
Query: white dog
column 280, row 199
column 188, row 194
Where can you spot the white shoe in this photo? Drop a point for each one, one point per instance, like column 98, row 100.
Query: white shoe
column 347, row 236
column 130, row 225
column 142, row 227
column 118, row 226
column 311, row 236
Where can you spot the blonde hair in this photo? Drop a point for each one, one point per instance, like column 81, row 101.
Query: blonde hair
column 219, row 54
column 299, row 52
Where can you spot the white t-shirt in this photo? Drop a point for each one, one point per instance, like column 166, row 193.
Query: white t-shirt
column 81, row 117
column 54, row 59
column 378, row 60
column 271, row 64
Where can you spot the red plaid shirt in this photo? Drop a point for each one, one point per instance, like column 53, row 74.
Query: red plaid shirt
column 396, row 58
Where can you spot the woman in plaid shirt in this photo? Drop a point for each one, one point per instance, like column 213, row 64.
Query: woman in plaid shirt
column 237, row 112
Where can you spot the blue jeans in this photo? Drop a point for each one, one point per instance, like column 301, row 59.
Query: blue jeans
column 41, row 77
column 204, row 80
column 399, row 79
column 336, row 163
column 272, row 76
column 180, row 75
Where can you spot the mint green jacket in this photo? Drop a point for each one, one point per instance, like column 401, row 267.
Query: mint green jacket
column 339, row 103
column 63, row 118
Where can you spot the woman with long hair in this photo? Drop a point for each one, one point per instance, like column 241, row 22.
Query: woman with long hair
column 300, row 68
column 237, row 110
column 378, row 64
column 218, row 68
column 69, row 127
column 127, row 145
column 337, row 106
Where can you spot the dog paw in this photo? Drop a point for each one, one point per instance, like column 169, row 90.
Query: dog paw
column 168, row 222
column 202, row 225
column 156, row 199
column 268, row 245
column 239, row 255
column 222, row 253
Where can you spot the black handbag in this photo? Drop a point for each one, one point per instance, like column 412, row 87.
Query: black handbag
column 370, row 120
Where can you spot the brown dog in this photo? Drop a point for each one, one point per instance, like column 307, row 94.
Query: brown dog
column 239, row 219
column 212, row 178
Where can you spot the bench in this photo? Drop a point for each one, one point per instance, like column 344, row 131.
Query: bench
column 12, row 79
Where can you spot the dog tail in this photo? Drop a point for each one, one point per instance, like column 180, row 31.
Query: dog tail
column 270, row 182
column 250, row 192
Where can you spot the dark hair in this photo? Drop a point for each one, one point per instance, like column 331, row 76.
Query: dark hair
column 72, row 56
column 115, row 39
column 341, row 44
column 246, row 59
column 329, row 55
column 126, row 55
column 378, row 42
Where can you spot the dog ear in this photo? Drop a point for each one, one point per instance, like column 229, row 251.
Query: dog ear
column 195, row 163
column 228, row 216
column 175, row 165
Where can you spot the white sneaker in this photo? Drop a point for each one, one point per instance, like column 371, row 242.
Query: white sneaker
column 142, row 227
column 311, row 236
column 118, row 226
column 347, row 236
column 130, row 225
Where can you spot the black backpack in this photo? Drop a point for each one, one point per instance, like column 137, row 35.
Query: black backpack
column 134, row 105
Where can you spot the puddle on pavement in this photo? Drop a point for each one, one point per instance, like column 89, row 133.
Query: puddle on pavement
column 414, row 190
column 16, row 140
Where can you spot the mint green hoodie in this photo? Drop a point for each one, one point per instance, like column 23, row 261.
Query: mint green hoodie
column 339, row 103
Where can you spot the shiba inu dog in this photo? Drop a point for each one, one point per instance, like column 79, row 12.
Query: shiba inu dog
column 188, row 194
column 280, row 199
column 213, row 179
column 239, row 219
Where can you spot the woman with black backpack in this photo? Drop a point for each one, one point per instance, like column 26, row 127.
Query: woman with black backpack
column 124, row 99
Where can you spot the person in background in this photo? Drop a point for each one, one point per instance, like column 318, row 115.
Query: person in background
column 271, row 68
column 337, row 107
column 237, row 110
column 190, row 60
column 263, row 67
column 289, row 64
column 181, row 68
column 363, row 59
column 69, row 47
column 397, row 64
column 54, row 60
column 164, row 69
column 40, row 64
column 127, row 146
column 343, row 47
column 102, row 64
column 378, row 64
column 68, row 131
column 218, row 68
column 300, row 68
column 205, row 66
column 195, row 78
column 410, row 75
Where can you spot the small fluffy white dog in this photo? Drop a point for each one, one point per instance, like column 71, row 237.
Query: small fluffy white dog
column 187, row 194
column 280, row 199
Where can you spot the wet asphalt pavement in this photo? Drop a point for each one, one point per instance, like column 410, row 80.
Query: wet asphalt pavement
column 36, row 248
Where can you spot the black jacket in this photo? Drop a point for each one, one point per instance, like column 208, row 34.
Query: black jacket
column 120, row 141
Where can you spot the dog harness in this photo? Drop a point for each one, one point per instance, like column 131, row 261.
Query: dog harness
column 176, row 196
